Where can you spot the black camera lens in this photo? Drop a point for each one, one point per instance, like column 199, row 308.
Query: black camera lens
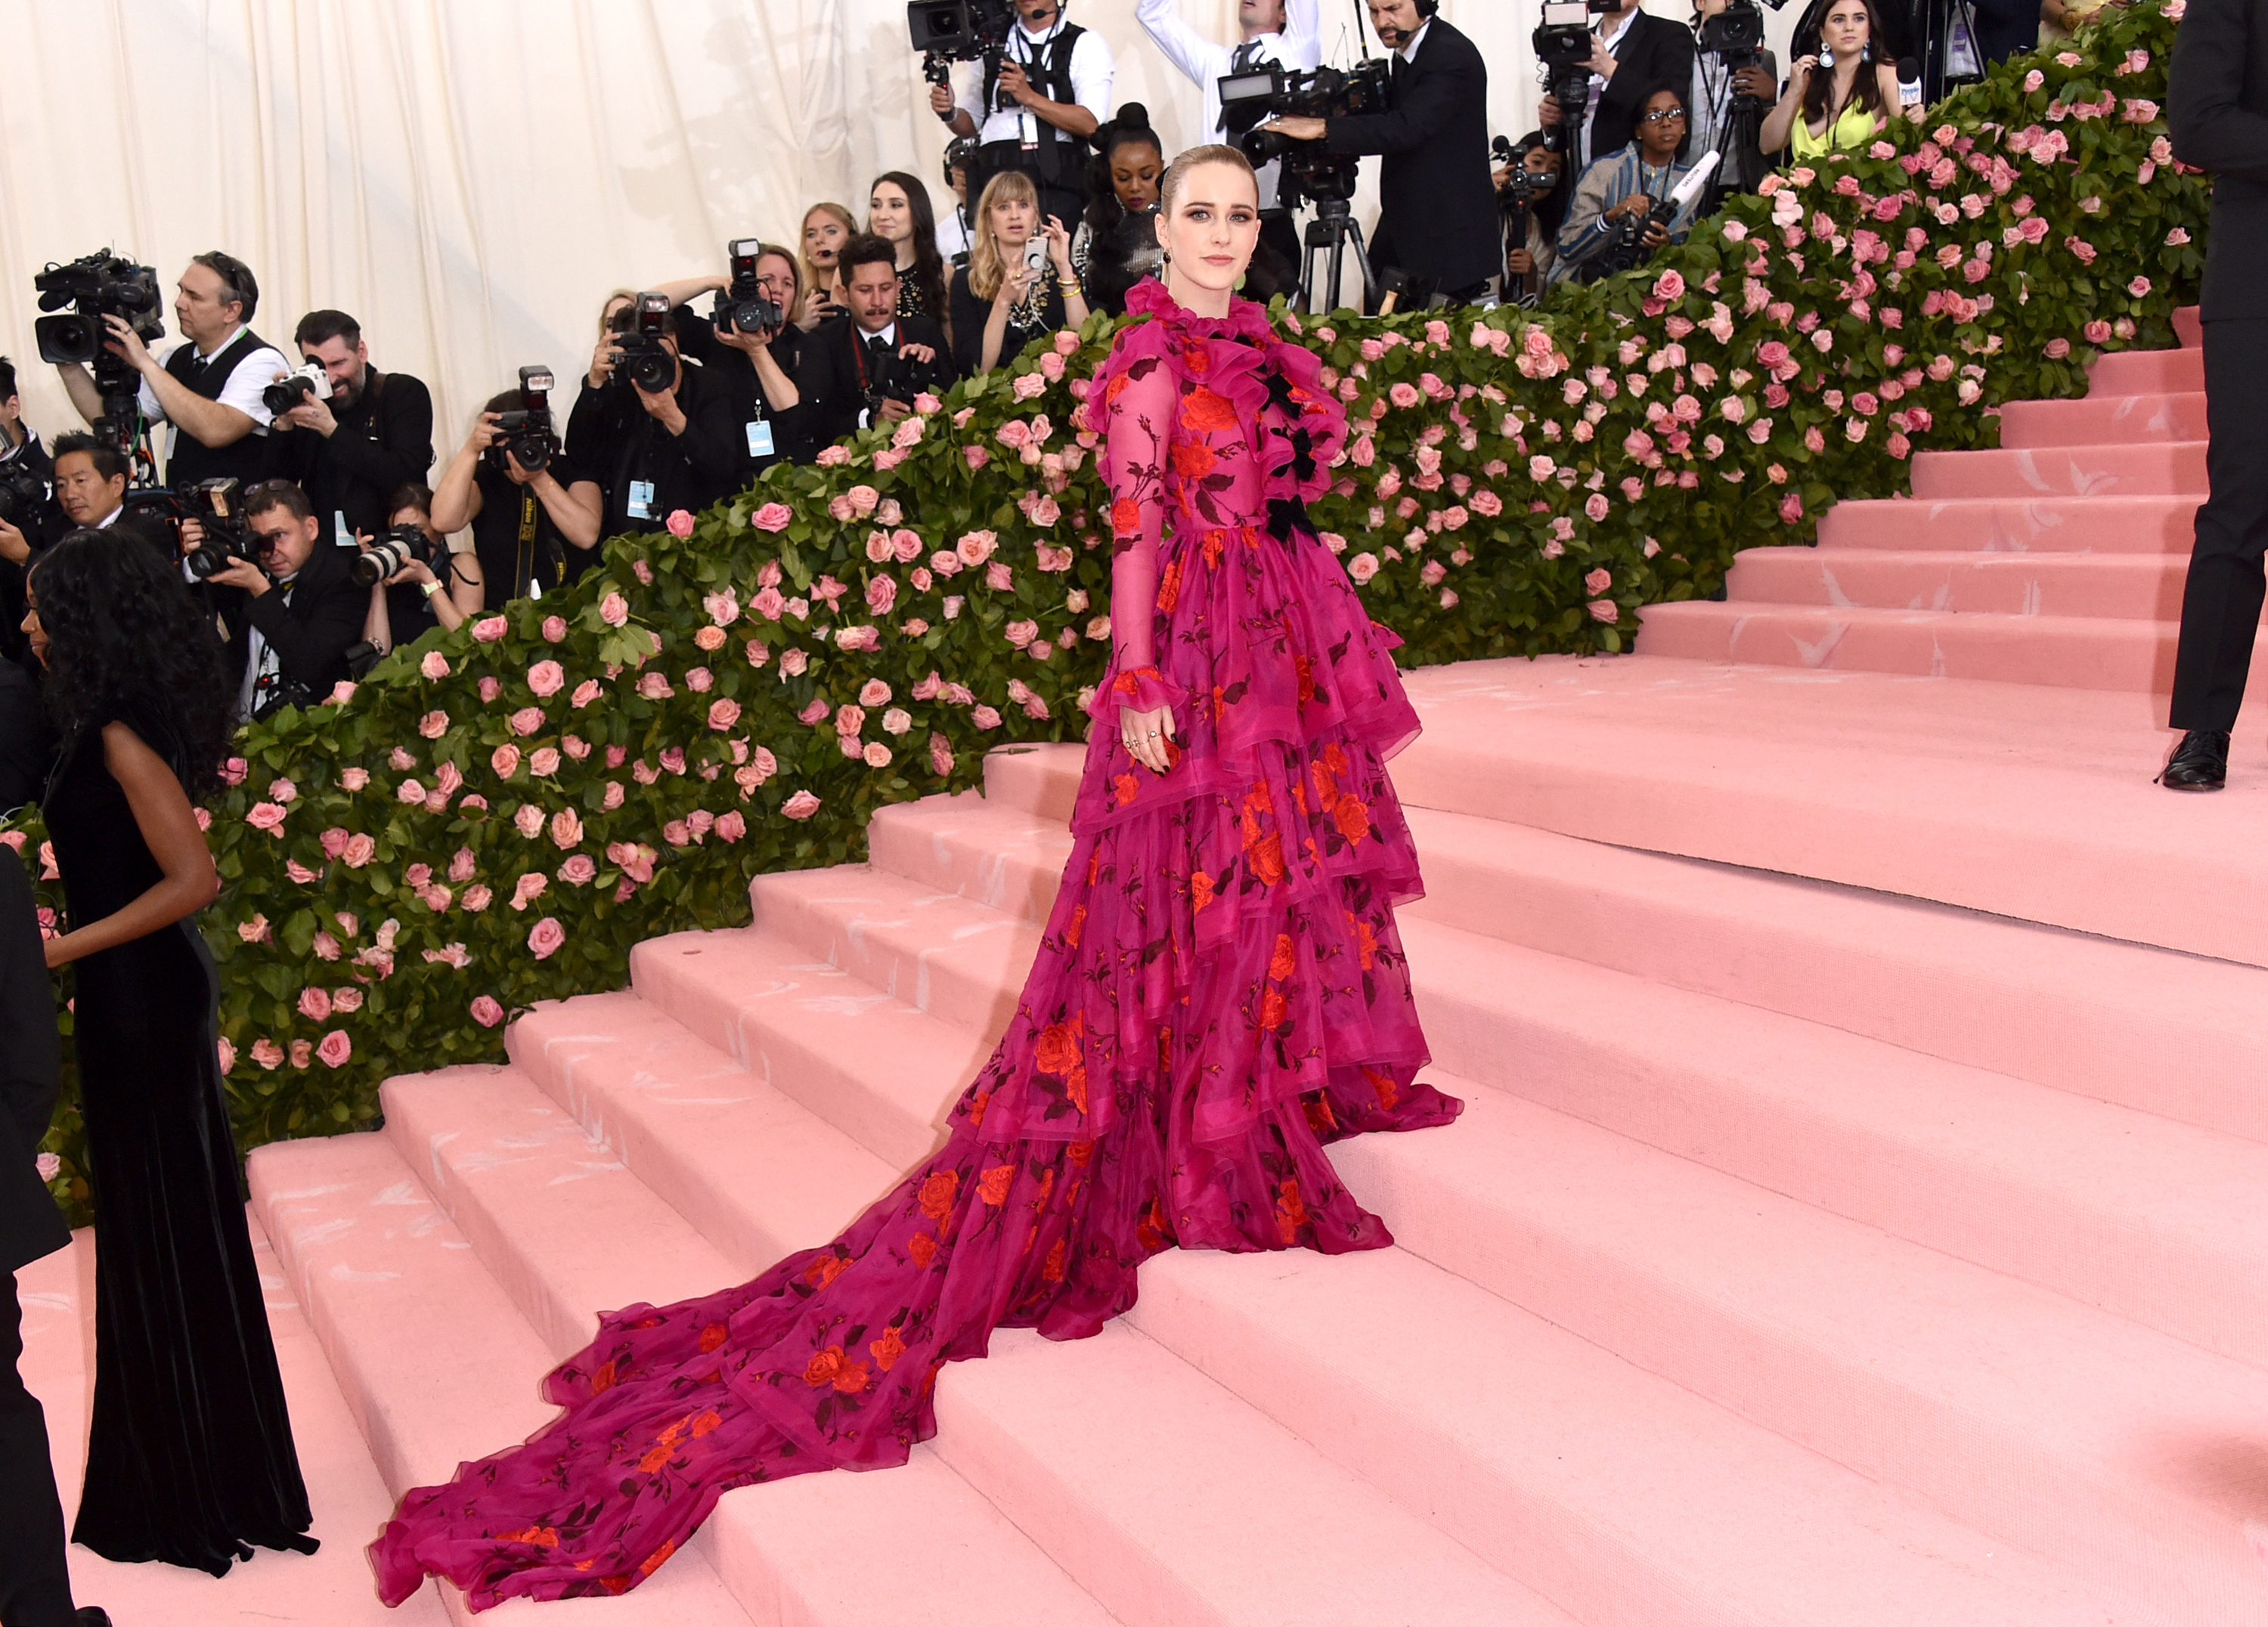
column 532, row 451
column 653, row 371
column 67, row 338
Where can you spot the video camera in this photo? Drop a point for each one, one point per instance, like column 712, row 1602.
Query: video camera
column 391, row 552
column 1563, row 44
column 745, row 307
column 23, row 496
column 1735, row 36
column 1310, row 169
column 525, row 432
column 309, row 382
column 96, row 286
column 642, row 360
column 213, row 504
column 957, row 31
column 899, row 378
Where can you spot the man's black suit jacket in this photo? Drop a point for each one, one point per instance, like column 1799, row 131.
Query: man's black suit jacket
column 828, row 377
column 2219, row 116
column 31, row 1067
column 1439, row 207
column 311, row 633
column 1652, row 52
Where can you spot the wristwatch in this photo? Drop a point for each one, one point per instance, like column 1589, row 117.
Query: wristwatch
column 429, row 588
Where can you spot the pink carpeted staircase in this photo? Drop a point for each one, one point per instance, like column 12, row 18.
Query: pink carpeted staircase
column 1860, row 1213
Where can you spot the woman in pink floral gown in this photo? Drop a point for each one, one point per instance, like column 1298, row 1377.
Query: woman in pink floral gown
column 1219, row 992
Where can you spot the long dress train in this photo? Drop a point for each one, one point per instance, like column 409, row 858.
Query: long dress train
column 189, row 1456
column 1219, row 991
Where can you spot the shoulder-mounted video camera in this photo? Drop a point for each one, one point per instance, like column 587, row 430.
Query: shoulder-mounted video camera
column 524, row 431
column 744, row 308
column 958, row 31
column 1563, row 44
column 94, row 286
column 1310, row 169
column 643, row 359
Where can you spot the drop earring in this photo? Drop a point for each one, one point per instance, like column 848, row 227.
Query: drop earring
column 1826, row 56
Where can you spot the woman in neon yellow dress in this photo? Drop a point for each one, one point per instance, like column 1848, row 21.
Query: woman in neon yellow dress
column 1839, row 101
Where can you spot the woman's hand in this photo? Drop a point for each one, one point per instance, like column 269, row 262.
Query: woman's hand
column 1014, row 284
column 1059, row 247
column 1637, row 203
column 1145, row 735
column 415, row 571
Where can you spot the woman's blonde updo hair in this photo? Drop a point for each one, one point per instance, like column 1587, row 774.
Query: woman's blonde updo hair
column 1177, row 172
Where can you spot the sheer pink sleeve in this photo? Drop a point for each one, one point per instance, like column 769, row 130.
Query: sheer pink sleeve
column 1138, row 410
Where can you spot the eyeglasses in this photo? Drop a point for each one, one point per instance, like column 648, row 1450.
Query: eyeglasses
column 1663, row 116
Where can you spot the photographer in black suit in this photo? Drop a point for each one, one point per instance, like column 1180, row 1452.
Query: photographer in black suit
column 1438, row 220
column 866, row 368
column 1631, row 53
column 292, row 611
column 2219, row 116
column 35, row 1574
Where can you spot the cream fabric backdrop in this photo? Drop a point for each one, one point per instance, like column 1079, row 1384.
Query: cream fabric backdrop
column 470, row 177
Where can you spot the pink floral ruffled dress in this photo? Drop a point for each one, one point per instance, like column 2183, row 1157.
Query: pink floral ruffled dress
column 1219, row 992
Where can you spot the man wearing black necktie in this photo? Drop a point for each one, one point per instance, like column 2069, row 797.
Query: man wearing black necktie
column 1438, row 219
column 1284, row 33
column 867, row 367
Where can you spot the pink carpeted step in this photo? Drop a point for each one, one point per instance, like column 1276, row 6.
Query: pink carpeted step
column 2029, row 802
column 2087, row 1439
column 2188, row 326
column 327, row 1589
column 2152, row 468
column 1173, row 1501
column 2143, row 525
column 986, row 851
column 2146, row 372
column 434, row 1362
column 1571, row 1469
column 2174, row 1034
column 515, row 1173
column 757, row 1174
column 940, row 953
column 2098, row 419
column 2162, row 1222
column 2068, row 652
column 2115, row 586
column 1033, row 779
column 880, row 1071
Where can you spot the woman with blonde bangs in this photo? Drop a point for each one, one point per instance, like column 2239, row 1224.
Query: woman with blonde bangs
column 828, row 228
column 1219, row 992
column 1020, row 284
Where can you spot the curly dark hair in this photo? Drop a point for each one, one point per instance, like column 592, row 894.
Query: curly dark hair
column 126, row 641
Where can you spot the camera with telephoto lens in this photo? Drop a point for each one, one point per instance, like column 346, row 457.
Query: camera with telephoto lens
column 899, row 378
column 390, row 553
column 524, row 431
column 22, row 496
column 310, row 381
column 642, row 359
column 744, row 308
column 94, row 286
column 214, row 504
column 1311, row 170
column 1625, row 249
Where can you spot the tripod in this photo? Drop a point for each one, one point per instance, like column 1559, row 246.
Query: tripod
column 1334, row 231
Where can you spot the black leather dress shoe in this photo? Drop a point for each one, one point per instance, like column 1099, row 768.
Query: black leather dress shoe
column 2201, row 762
column 93, row 1616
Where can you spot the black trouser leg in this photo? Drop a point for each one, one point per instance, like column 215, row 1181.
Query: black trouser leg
column 2220, row 602
column 1280, row 232
column 34, row 1576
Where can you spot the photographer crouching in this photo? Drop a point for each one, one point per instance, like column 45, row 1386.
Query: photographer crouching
column 1438, row 220
column 418, row 580
column 655, row 431
column 1531, row 191
column 1628, row 204
column 868, row 371
column 349, row 435
column 534, row 515
column 288, row 604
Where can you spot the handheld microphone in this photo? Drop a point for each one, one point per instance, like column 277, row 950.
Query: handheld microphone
column 1690, row 188
column 1909, row 83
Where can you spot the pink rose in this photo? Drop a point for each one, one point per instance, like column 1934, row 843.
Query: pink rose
column 334, row 1049
column 585, row 692
column 723, row 714
column 433, row 724
column 1001, row 580
column 680, row 524
column 877, row 754
column 528, row 819
column 504, row 761
column 254, row 931
column 360, row 849
column 849, row 720
column 1668, row 286
column 477, row 898
column 803, row 805
column 2139, row 287
column 579, row 869
column 975, row 547
column 769, row 604
column 1603, row 610
column 566, row 828
column 435, row 665
column 555, row 628
column 547, row 678
column 486, row 1012
column 489, row 629
column 700, row 680
column 881, row 594
column 527, row 719
column 976, row 457
column 730, row 826
column 265, row 816
column 772, row 516
column 677, row 833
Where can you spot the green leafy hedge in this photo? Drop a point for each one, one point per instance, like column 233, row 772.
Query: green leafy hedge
column 494, row 817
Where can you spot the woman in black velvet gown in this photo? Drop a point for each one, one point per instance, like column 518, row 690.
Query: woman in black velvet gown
column 189, row 1458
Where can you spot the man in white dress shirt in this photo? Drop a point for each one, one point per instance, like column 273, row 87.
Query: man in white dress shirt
column 1034, row 109
column 1288, row 34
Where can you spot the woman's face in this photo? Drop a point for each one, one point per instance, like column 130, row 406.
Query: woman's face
column 823, row 238
column 890, row 213
column 1541, row 161
column 1847, row 29
column 32, row 630
column 1210, row 230
column 777, row 278
column 418, row 518
column 1135, row 170
column 1662, row 127
column 620, row 302
column 1012, row 220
